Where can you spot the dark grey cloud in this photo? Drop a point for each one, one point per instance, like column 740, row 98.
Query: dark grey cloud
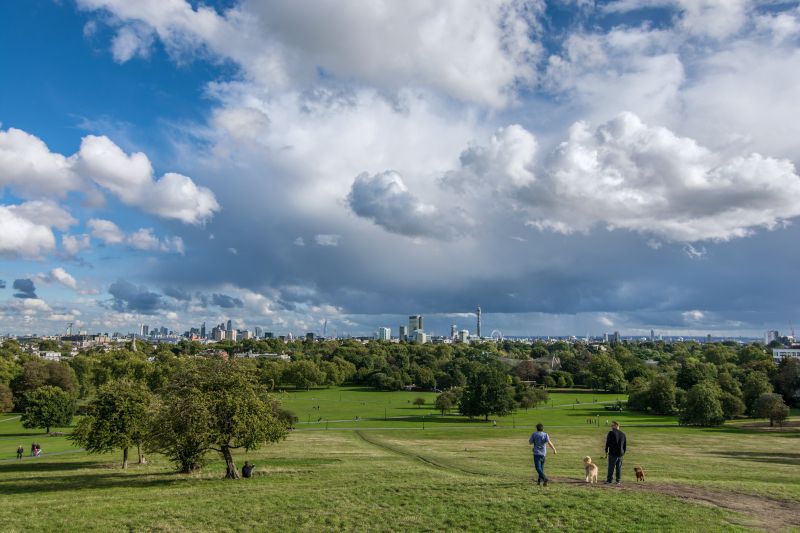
column 178, row 294
column 385, row 200
column 25, row 288
column 225, row 301
column 128, row 297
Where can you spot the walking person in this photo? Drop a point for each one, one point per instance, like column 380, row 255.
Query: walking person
column 616, row 446
column 540, row 440
column 20, row 451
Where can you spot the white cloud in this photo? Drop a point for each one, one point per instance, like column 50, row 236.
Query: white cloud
column 628, row 175
column 58, row 275
column 145, row 239
column 605, row 321
column 22, row 237
column 106, row 231
column 130, row 178
column 472, row 51
column 29, row 167
column 131, row 41
column 72, row 244
column 326, row 239
column 693, row 316
column 299, row 242
column 45, row 212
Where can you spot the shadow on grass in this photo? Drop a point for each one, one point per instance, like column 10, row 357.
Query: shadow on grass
column 761, row 457
column 100, row 480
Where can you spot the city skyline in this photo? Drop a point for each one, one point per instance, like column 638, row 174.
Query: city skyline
column 575, row 169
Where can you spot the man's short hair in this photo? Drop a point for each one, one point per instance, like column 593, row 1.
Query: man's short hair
column 539, row 427
column 614, row 423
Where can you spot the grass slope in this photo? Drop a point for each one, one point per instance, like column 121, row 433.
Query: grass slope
column 391, row 475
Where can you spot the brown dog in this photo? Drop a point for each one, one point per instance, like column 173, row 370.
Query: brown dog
column 639, row 471
column 591, row 470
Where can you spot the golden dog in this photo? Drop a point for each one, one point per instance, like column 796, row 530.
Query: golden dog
column 639, row 471
column 591, row 470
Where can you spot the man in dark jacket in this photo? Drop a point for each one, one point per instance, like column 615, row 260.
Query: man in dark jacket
column 616, row 446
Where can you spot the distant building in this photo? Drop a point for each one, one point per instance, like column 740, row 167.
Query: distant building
column 415, row 323
column 218, row 334
column 259, row 332
column 617, row 337
column 708, row 338
column 463, row 336
column 652, row 335
column 384, row 334
column 50, row 356
column 310, row 336
column 420, row 337
column 232, row 334
column 230, row 326
column 453, row 331
column 203, row 331
column 145, row 330
column 771, row 335
column 605, row 338
column 779, row 354
column 478, row 325
column 269, row 335
column 402, row 333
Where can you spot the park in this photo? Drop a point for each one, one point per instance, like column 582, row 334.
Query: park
column 365, row 460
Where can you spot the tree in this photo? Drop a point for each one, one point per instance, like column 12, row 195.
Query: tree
column 37, row 373
column 661, row 395
column 732, row 405
column 693, row 372
column 771, row 406
column 788, row 380
column 47, row 407
column 6, row 399
column 606, row 373
column 487, row 393
column 702, row 406
column 304, row 374
column 117, row 418
column 756, row 384
column 217, row 405
column 419, row 402
column 444, row 403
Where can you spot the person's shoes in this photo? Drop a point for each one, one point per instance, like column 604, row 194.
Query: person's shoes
column 619, row 483
column 607, row 483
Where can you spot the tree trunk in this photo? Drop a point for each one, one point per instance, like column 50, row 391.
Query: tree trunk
column 47, row 429
column 231, row 472
column 771, row 423
column 142, row 460
column 125, row 457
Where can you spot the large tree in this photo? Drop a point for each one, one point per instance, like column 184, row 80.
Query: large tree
column 755, row 384
column 702, row 406
column 788, row 380
column 487, row 393
column 771, row 406
column 48, row 407
column 117, row 418
column 215, row 405
column 605, row 373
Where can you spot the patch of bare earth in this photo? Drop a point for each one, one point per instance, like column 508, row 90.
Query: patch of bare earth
column 756, row 511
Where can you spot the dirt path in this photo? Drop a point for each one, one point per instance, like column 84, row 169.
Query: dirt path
column 757, row 511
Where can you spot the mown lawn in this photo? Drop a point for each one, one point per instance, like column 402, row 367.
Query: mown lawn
column 391, row 475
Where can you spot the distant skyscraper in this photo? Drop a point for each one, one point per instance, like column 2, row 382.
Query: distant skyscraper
column 478, row 325
column 203, row 331
column 605, row 338
column 145, row 330
column 384, row 334
column 771, row 335
column 463, row 336
column 652, row 335
column 617, row 337
column 310, row 336
column 708, row 338
column 415, row 323
column 453, row 331
column 230, row 326
column 402, row 333
column 259, row 332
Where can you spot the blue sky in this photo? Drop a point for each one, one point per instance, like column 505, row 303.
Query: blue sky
column 573, row 167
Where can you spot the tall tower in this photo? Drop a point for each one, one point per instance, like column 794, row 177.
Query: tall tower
column 478, row 325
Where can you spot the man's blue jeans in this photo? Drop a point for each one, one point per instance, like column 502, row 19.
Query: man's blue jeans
column 538, row 462
column 614, row 462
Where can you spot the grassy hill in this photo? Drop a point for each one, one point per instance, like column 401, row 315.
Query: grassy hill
column 384, row 472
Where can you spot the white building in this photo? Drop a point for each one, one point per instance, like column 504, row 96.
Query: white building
column 50, row 356
column 463, row 335
column 420, row 337
column 779, row 354
column 384, row 334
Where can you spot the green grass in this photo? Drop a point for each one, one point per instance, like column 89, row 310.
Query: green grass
column 391, row 475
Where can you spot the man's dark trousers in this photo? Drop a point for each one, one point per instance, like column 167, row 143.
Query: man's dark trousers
column 614, row 462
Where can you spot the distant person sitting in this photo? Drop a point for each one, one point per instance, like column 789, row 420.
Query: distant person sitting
column 247, row 469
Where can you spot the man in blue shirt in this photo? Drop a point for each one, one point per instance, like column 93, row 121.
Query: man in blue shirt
column 540, row 441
